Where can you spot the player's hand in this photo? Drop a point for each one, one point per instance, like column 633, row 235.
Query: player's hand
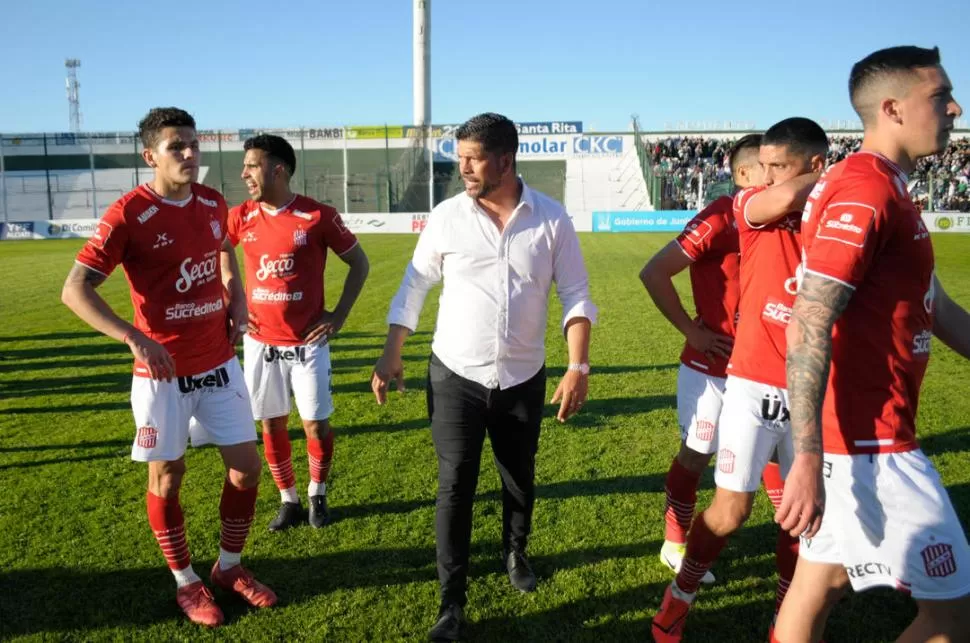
column 238, row 321
column 324, row 328
column 803, row 501
column 159, row 361
column 389, row 368
column 571, row 393
column 712, row 344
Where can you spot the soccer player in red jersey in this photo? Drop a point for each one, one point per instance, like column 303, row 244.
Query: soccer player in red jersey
column 709, row 247
column 169, row 237
column 754, row 415
column 285, row 238
column 859, row 338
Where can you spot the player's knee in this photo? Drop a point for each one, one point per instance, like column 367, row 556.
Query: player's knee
column 273, row 425
column 316, row 429
column 246, row 476
column 165, row 478
column 728, row 513
column 692, row 460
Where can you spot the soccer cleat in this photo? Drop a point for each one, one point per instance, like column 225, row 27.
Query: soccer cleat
column 199, row 604
column 668, row 624
column 240, row 580
column 289, row 515
column 319, row 513
column 672, row 555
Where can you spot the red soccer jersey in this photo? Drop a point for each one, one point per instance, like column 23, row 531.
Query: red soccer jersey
column 710, row 240
column 285, row 254
column 770, row 258
column 862, row 229
column 170, row 255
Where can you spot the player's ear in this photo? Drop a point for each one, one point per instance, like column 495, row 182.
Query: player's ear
column 149, row 156
column 818, row 163
column 890, row 108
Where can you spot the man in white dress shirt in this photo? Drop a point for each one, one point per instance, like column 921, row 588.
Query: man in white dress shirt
column 499, row 246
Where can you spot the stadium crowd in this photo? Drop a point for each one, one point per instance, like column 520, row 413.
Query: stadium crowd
column 690, row 163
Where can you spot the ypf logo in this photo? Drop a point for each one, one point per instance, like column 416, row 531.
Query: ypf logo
column 598, row 145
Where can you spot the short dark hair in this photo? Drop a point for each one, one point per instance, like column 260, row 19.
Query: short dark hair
column 743, row 144
column 802, row 136
column 158, row 118
column 495, row 132
column 883, row 63
column 276, row 147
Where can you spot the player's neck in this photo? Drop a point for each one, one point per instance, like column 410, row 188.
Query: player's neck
column 890, row 149
column 171, row 191
column 277, row 201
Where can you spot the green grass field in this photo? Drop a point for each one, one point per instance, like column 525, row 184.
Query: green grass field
column 78, row 561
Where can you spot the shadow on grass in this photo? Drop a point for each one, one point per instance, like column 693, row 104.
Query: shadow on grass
column 69, row 384
column 36, row 337
column 66, row 350
column 35, row 365
column 69, row 408
column 953, row 440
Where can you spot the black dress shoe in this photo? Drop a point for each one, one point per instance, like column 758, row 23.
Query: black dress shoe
column 289, row 515
column 319, row 513
column 451, row 619
column 520, row 572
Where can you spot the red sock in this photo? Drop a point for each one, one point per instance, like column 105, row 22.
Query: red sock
column 681, row 489
column 320, row 454
column 774, row 485
column 168, row 525
column 703, row 548
column 277, row 447
column 236, row 509
column 786, row 557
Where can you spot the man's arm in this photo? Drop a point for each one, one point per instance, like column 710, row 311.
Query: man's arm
column 574, row 386
column 422, row 273
column 232, row 282
column 80, row 295
column 332, row 322
column 774, row 202
column 657, row 277
column 819, row 304
column 951, row 323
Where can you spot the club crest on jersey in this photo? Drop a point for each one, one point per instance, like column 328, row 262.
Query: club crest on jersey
column 939, row 560
column 216, row 229
column 299, row 237
column 147, row 437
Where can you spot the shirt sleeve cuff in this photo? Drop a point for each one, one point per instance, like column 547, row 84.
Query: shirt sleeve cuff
column 402, row 318
column 583, row 309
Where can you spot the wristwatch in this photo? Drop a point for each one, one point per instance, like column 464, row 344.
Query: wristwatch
column 582, row 368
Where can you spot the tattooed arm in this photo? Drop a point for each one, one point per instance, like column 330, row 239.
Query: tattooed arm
column 819, row 303
column 80, row 295
column 951, row 323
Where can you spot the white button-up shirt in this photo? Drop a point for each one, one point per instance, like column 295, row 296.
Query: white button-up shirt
column 492, row 313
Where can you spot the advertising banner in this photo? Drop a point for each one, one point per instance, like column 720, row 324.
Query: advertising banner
column 947, row 221
column 657, row 221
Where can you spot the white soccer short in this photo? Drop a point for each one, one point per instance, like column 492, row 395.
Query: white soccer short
column 208, row 408
column 754, row 423
column 889, row 522
column 699, row 399
column 273, row 372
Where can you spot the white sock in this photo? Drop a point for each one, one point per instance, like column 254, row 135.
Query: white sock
column 185, row 576
column 317, row 489
column 681, row 594
column 289, row 495
column 228, row 559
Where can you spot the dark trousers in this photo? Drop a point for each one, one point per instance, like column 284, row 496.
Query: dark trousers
column 461, row 412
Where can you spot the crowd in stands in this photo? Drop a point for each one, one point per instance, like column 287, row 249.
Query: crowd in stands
column 692, row 164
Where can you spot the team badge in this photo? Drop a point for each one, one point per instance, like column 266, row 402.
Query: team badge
column 299, row 237
column 216, row 229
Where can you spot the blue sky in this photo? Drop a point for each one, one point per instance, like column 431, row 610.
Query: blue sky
column 269, row 63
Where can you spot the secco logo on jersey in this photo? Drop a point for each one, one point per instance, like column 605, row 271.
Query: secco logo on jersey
column 282, row 267
column 218, row 378
column 776, row 312
column 265, row 295
column 697, row 231
column 189, row 310
column 194, row 274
